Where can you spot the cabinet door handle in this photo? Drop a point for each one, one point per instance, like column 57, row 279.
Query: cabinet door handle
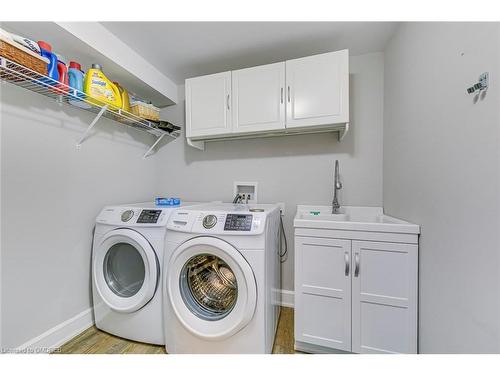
column 282, row 95
column 356, row 265
column 227, row 102
column 288, row 94
column 346, row 257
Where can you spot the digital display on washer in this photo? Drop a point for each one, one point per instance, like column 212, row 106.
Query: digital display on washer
column 238, row 222
column 149, row 217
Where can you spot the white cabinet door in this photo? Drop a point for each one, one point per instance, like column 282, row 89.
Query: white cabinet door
column 318, row 90
column 208, row 100
column 323, row 292
column 259, row 98
column 384, row 297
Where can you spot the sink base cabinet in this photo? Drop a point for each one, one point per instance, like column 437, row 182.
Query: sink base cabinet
column 323, row 292
column 356, row 296
column 384, row 297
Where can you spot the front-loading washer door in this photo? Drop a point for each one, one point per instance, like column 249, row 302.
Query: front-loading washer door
column 125, row 270
column 211, row 288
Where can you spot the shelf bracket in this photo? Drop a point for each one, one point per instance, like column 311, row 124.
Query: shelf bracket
column 343, row 132
column 148, row 152
column 200, row 145
column 92, row 124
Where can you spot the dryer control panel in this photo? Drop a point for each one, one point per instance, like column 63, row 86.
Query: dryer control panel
column 133, row 216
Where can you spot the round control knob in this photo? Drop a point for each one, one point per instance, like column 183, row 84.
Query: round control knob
column 127, row 215
column 209, row 221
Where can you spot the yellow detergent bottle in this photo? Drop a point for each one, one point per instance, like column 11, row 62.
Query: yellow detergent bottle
column 97, row 86
column 125, row 97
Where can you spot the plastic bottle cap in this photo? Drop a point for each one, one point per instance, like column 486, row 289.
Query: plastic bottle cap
column 61, row 58
column 75, row 65
column 44, row 45
column 96, row 66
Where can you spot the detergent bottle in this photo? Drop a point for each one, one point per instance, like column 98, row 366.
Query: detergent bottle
column 124, row 96
column 97, row 86
column 62, row 70
column 75, row 78
column 46, row 51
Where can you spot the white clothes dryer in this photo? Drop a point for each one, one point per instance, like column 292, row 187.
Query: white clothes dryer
column 127, row 257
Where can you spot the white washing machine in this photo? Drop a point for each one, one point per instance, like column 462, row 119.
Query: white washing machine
column 222, row 279
column 128, row 251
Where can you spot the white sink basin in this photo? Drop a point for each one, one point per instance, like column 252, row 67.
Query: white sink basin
column 351, row 218
column 323, row 216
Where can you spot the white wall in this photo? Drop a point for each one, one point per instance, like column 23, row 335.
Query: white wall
column 50, row 195
column 442, row 170
column 292, row 169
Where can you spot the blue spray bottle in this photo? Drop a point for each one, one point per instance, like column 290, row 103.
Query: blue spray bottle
column 46, row 51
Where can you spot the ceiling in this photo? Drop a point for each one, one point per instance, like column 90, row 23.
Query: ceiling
column 187, row 49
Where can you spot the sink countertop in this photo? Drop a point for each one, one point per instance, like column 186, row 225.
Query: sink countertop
column 370, row 219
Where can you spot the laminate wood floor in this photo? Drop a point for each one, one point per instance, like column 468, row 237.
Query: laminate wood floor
column 93, row 341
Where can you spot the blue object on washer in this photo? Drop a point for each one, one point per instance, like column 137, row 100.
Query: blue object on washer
column 167, row 201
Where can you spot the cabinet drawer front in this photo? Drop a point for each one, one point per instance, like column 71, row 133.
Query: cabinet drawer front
column 323, row 292
column 259, row 98
column 318, row 90
column 323, row 321
column 208, row 105
column 384, row 297
column 323, row 266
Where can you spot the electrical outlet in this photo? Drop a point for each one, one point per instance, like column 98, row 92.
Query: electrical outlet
column 282, row 208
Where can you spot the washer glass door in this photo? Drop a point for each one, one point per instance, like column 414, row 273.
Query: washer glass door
column 125, row 270
column 208, row 286
column 211, row 288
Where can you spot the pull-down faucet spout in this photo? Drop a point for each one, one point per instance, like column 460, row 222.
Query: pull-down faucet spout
column 337, row 185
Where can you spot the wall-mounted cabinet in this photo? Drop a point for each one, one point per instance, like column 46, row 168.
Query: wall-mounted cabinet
column 208, row 105
column 304, row 95
column 318, row 90
column 259, row 99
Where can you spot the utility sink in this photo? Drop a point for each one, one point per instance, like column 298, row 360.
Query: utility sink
column 351, row 218
column 316, row 215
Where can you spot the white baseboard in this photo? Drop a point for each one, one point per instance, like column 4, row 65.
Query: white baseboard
column 55, row 337
column 287, row 298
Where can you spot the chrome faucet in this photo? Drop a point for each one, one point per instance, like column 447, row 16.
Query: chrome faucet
column 337, row 185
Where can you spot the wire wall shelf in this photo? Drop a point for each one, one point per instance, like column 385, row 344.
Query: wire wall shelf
column 24, row 77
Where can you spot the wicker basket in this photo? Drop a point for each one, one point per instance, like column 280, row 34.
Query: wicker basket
column 21, row 55
column 145, row 111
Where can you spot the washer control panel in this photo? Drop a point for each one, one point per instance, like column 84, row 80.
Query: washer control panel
column 222, row 219
column 238, row 222
column 149, row 217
